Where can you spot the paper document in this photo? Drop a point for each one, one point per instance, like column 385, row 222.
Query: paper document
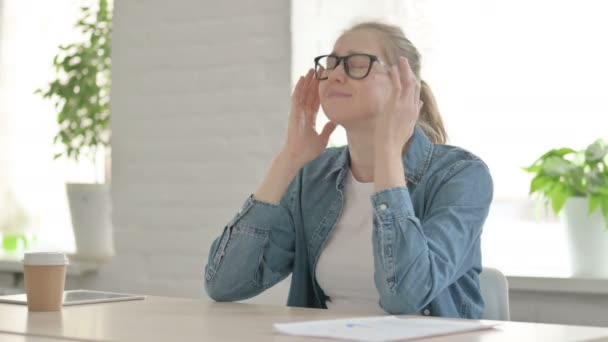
column 376, row 329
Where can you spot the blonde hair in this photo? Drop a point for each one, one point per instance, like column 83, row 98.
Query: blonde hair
column 394, row 44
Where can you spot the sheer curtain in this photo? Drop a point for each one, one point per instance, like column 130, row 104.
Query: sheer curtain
column 512, row 79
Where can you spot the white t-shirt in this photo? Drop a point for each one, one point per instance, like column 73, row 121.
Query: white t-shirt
column 345, row 270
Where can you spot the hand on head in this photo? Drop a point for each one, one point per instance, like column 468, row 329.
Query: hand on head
column 303, row 142
column 396, row 120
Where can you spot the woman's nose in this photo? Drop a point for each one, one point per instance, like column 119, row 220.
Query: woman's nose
column 337, row 74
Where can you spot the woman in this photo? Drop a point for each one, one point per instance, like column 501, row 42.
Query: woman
column 390, row 223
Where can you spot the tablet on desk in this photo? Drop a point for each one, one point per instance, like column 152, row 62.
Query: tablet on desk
column 75, row 297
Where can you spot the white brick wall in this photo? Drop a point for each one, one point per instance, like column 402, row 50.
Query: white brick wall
column 200, row 98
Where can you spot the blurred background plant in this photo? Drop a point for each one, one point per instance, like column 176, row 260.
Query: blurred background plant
column 564, row 173
column 14, row 222
column 81, row 89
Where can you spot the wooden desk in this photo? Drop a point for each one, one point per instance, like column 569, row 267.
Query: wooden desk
column 174, row 319
column 28, row 338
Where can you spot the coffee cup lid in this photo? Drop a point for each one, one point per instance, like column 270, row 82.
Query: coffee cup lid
column 45, row 259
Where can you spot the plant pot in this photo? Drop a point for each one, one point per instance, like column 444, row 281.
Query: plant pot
column 90, row 210
column 587, row 238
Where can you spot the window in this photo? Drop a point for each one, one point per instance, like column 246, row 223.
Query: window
column 512, row 79
column 32, row 184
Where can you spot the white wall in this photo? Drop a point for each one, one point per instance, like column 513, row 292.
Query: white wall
column 200, row 97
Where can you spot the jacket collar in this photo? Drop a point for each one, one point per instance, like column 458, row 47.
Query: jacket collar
column 415, row 161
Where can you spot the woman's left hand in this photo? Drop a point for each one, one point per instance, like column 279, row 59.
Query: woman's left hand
column 396, row 121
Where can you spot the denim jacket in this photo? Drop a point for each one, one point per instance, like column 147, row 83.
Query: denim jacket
column 425, row 240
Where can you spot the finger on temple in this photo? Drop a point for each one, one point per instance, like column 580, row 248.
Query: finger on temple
column 311, row 90
column 395, row 79
column 306, row 88
column 298, row 87
column 405, row 74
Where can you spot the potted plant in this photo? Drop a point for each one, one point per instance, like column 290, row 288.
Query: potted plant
column 577, row 182
column 81, row 95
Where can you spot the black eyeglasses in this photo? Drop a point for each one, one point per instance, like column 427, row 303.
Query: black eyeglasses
column 357, row 66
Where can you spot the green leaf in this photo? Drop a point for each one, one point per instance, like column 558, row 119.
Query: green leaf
column 532, row 168
column 556, row 166
column 557, row 202
column 558, row 194
column 605, row 207
column 594, row 202
column 557, row 153
column 542, row 183
column 596, row 151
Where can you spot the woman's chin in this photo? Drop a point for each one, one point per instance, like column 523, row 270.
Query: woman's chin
column 338, row 114
column 344, row 117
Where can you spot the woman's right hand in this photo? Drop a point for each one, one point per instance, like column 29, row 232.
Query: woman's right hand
column 303, row 142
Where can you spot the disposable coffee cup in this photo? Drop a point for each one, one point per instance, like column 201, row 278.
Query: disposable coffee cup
column 44, row 280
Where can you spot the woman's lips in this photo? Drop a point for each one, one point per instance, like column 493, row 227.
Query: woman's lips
column 338, row 94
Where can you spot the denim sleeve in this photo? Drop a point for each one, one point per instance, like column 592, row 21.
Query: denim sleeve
column 254, row 252
column 415, row 261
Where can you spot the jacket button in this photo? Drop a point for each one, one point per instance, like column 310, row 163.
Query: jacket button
column 426, row 312
column 383, row 206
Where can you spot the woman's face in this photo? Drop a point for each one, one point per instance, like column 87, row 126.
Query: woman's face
column 350, row 102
